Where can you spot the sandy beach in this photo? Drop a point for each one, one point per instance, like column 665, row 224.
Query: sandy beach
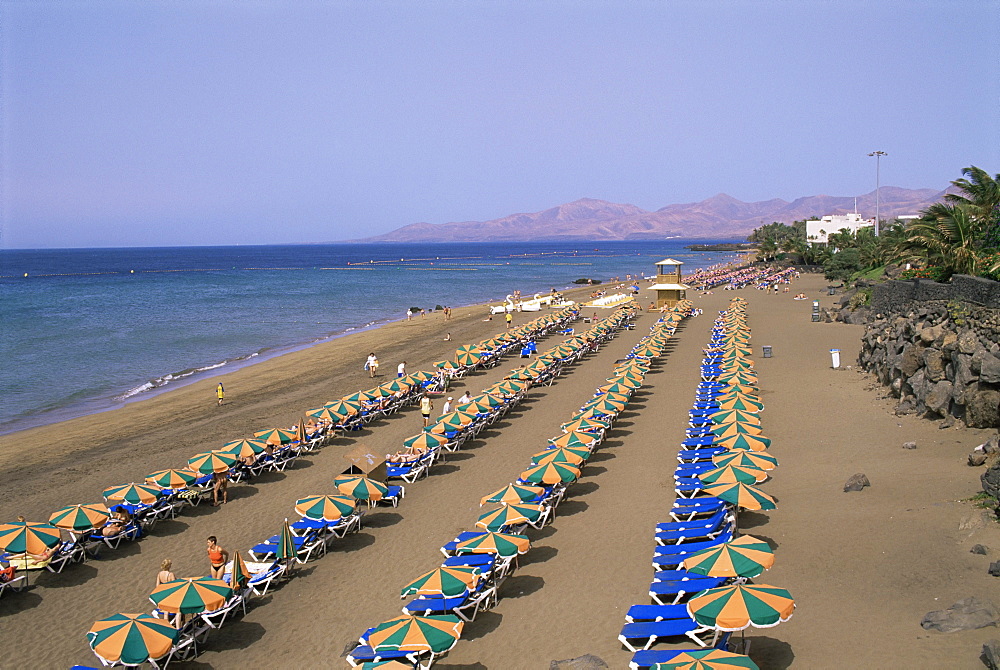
column 863, row 567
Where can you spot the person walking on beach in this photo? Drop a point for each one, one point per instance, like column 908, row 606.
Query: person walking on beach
column 220, row 488
column 220, row 392
column 401, row 370
column 371, row 364
column 217, row 556
column 447, row 406
column 508, row 318
column 426, row 405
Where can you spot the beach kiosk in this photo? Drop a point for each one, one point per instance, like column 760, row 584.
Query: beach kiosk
column 365, row 460
column 668, row 286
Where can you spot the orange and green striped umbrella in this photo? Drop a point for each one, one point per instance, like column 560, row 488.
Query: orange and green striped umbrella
column 360, row 487
column 468, row 357
column 135, row 494
column 80, row 517
column 706, row 659
column 191, row 595
column 239, row 575
column 617, row 388
column 738, row 378
column 740, row 606
column 361, row 397
column 451, row 422
column 742, row 401
column 552, row 473
column 585, row 425
column 510, row 387
column 509, row 515
column 502, row 544
column 212, row 462
column 28, row 537
column 730, row 429
column 606, row 405
column 447, row 365
column 573, row 455
column 436, row 633
column 521, row 374
column 735, row 416
column 172, row 479
column 400, row 385
column 575, row 438
column 244, row 448
column 728, row 474
column 325, row 507
column 325, row 414
column 746, row 459
column 513, row 493
column 743, row 441
column 425, row 441
column 131, row 639
column 447, row 581
column 276, row 436
column 588, row 412
column 744, row 556
column 627, row 381
column 344, row 408
column 741, row 495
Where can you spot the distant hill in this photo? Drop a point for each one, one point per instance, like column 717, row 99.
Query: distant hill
column 718, row 217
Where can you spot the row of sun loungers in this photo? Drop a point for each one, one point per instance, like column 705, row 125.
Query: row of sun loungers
column 529, row 502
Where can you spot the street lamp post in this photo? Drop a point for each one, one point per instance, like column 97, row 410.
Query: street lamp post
column 878, row 156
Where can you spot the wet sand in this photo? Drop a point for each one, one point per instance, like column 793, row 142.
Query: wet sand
column 863, row 567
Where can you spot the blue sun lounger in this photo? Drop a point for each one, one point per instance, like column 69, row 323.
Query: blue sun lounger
column 652, row 631
column 711, row 522
column 673, row 592
column 656, row 612
column 643, row 660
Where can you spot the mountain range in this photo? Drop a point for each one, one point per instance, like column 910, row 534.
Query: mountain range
column 716, row 218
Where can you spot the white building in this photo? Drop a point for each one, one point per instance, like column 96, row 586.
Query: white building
column 817, row 231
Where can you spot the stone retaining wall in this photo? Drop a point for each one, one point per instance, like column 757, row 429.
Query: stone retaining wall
column 937, row 347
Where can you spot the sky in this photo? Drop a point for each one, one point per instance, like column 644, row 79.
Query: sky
column 196, row 122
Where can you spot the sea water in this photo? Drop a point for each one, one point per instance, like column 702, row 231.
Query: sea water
column 83, row 330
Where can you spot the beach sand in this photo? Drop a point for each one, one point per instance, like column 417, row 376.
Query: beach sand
column 864, row 567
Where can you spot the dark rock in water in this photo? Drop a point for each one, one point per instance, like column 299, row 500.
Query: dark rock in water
column 977, row 458
column 586, row 662
column 980, row 549
column 967, row 614
column 991, row 654
column 995, row 568
column 909, row 445
column 856, row 483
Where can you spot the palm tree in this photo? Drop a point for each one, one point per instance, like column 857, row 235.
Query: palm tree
column 980, row 193
column 949, row 238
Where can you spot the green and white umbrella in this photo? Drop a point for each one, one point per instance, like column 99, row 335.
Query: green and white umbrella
column 738, row 606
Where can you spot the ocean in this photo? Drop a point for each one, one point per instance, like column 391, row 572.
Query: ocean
column 85, row 330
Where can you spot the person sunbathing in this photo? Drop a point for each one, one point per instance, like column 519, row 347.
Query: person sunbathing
column 120, row 518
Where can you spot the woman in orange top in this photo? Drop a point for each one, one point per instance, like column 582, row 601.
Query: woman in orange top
column 218, row 557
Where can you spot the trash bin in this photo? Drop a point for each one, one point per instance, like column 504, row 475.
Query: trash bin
column 835, row 356
column 831, row 291
column 767, row 351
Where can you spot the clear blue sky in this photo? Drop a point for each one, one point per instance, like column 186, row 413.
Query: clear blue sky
column 198, row 122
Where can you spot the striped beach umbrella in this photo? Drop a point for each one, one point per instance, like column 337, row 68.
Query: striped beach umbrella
column 706, row 659
column 743, row 441
column 400, row 385
column 276, row 436
column 725, row 416
column 191, row 595
column 627, row 380
column 437, row 633
column 513, row 493
column 344, row 408
column 134, row 494
column 552, row 473
column 745, row 458
column 730, row 429
column 522, row 374
column 728, row 474
column 502, row 544
column 468, row 357
column 131, row 639
column 172, row 479
column 606, row 405
column 244, row 448
column 741, row 402
column 573, row 455
column 28, row 537
column 447, row 581
column 425, row 441
column 739, row 606
column 212, row 462
column 360, row 487
column 744, row 556
column 79, row 518
column 286, row 544
column 509, row 515
column 325, row 507
column 617, row 388
column 239, row 575
column 741, row 495
column 585, row 425
column 325, row 414
column 574, row 438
